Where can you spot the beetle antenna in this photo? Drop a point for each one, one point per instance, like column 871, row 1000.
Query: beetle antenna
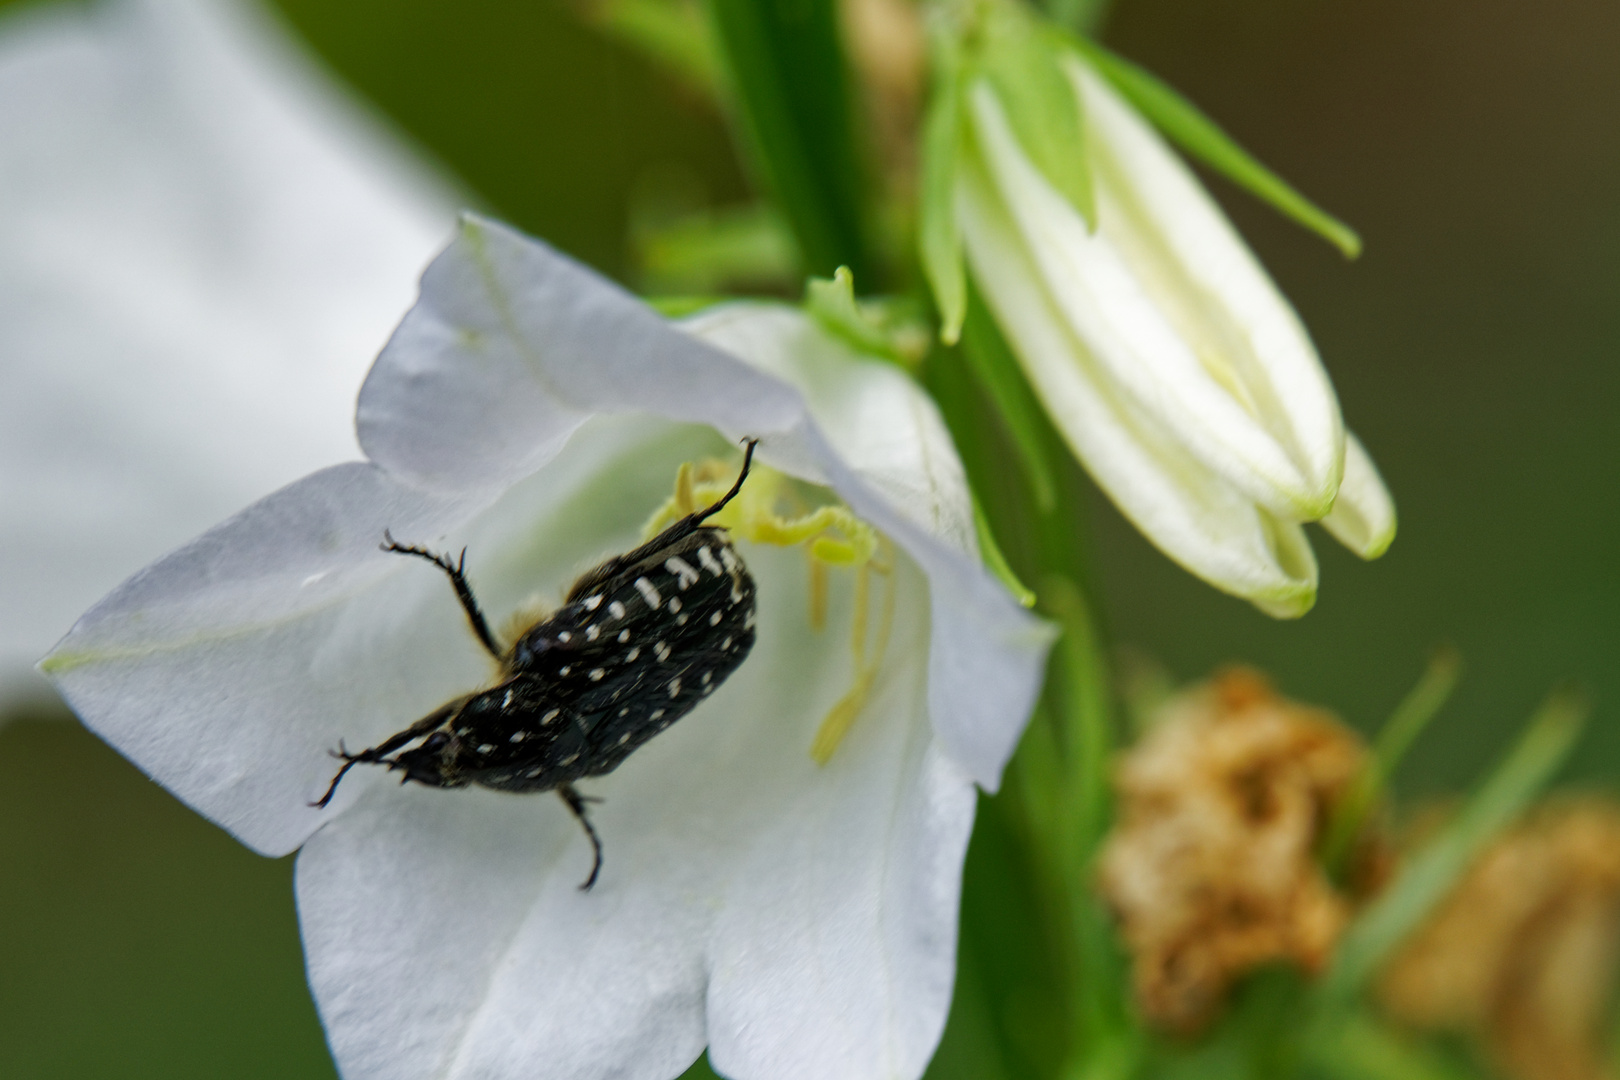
column 748, row 460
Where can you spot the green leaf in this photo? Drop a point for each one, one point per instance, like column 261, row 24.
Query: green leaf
column 996, row 370
column 787, row 75
column 939, row 241
column 1201, row 137
column 1022, row 61
column 1430, row 875
column 1360, row 1049
column 1402, row 728
column 671, row 32
column 715, row 250
column 995, row 561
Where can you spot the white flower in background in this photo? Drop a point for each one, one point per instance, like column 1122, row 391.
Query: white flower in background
column 1164, row 354
column 201, row 246
column 797, row 918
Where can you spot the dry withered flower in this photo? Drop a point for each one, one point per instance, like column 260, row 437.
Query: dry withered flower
column 1524, row 953
column 1211, row 865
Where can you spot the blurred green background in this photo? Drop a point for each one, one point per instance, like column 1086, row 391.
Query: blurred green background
column 1475, row 145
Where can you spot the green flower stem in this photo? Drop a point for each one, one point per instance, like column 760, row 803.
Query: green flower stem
column 1058, row 796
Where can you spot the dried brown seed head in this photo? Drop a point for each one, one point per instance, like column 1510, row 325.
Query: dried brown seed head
column 1211, row 865
column 1524, row 954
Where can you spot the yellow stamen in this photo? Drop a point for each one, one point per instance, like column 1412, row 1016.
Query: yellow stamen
column 832, row 536
column 818, row 594
column 684, row 500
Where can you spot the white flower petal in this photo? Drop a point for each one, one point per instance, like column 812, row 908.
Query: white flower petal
column 1162, row 339
column 1363, row 516
column 201, row 245
column 884, row 428
column 800, row 917
column 229, row 669
column 1207, row 279
column 1191, row 513
column 512, row 345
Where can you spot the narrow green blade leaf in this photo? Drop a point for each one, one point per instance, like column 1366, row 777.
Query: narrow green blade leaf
column 938, row 239
column 1198, row 135
column 785, row 65
column 1402, row 728
column 995, row 561
column 1023, row 64
column 1432, row 873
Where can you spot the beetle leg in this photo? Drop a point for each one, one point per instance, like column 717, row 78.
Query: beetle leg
column 457, row 572
column 576, row 804
column 380, row 752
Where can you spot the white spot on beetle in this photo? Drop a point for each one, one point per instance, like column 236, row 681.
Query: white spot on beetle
column 592, row 633
column 648, row 593
column 662, row 650
column 550, row 716
column 506, row 702
column 596, row 674
column 624, row 636
column 486, row 748
column 616, row 609
column 656, row 714
column 517, row 736
column 592, row 602
column 706, row 558
column 684, row 574
column 674, row 603
column 674, row 688
column 565, row 669
column 631, row 656
column 565, row 637
column 714, row 620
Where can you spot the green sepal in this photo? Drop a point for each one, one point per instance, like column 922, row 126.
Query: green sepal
column 1432, row 873
column 939, row 241
column 1023, row 62
column 1185, row 125
column 995, row 561
column 875, row 328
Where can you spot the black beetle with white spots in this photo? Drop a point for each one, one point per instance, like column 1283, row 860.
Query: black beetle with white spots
column 639, row 642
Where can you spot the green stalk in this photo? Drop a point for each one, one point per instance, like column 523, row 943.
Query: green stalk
column 790, row 94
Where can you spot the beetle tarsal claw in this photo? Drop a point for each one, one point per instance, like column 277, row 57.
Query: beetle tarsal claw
column 831, row 536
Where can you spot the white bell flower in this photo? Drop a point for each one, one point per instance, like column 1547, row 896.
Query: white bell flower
column 797, row 917
column 202, row 243
column 1169, row 361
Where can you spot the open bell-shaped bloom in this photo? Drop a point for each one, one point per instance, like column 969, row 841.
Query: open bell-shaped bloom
column 201, row 243
column 797, row 918
column 1165, row 355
